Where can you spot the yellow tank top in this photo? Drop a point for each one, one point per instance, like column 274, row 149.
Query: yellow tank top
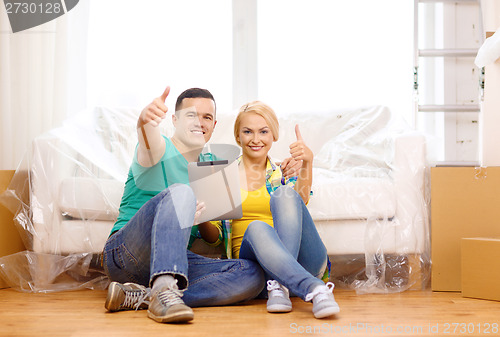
column 255, row 205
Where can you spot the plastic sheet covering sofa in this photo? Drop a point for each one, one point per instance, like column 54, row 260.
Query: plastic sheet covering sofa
column 369, row 200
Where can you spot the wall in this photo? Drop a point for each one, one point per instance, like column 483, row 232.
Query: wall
column 490, row 109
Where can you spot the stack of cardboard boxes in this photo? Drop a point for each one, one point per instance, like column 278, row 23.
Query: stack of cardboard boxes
column 465, row 203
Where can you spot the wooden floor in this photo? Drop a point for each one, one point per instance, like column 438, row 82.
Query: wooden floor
column 412, row 313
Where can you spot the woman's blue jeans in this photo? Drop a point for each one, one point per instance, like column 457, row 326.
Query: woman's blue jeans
column 292, row 252
column 154, row 242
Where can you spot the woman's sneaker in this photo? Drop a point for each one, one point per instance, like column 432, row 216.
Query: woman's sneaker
column 324, row 304
column 167, row 306
column 128, row 296
column 278, row 297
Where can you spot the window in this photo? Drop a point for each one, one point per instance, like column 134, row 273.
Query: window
column 137, row 48
column 320, row 54
column 327, row 54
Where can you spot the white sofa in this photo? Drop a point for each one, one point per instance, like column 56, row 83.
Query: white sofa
column 368, row 198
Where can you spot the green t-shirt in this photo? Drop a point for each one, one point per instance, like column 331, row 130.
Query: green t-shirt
column 143, row 183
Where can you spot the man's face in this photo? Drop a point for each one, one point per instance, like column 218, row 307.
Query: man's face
column 195, row 121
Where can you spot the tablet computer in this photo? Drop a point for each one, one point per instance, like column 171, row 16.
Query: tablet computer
column 217, row 184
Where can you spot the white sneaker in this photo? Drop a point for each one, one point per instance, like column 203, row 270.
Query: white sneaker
column 324, row 304
column 278, row 297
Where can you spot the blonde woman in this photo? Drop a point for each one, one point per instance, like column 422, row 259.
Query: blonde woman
column 276, row 229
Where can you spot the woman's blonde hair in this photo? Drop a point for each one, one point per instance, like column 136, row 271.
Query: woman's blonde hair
column 261, row 109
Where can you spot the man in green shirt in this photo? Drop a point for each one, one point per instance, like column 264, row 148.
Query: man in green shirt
column 148, row 243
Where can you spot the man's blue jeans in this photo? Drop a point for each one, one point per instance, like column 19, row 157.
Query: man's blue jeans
column 292, row 252
column 154, row 242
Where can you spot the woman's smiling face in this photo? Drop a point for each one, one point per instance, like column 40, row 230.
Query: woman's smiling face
column 254, row 136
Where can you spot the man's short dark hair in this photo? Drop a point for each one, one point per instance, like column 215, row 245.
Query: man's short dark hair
column 193, row 93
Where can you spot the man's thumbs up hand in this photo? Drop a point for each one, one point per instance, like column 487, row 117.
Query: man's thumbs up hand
column 164, row 96
column 155, row 111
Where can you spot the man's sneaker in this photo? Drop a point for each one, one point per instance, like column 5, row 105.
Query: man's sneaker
column 127, row 296
column 324, row 304
column 166, row 306
column 278, row 297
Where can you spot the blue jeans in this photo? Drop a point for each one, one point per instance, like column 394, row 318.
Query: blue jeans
column 154, row 242
column 292, row 252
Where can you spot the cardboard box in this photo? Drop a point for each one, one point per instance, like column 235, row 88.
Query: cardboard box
column 465, row 202
column 481, row 268
column 10, row 240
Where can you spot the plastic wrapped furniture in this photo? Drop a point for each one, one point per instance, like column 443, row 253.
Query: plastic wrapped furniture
column 368, row 203
column 76, row 175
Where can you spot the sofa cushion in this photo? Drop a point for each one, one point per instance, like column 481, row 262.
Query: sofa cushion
column 81, row 236
column 316, row 127
column 90, row 198
column 345, row 237
column 363, row 142
column 340, row 197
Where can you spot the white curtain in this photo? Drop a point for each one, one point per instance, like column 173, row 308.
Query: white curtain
column 42, row 79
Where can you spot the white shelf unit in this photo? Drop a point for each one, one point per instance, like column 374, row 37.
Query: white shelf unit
column 448, row 86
